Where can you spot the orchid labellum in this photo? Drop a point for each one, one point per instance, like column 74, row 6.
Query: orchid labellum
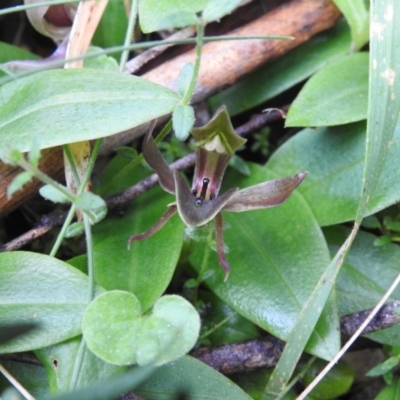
column 216, row 143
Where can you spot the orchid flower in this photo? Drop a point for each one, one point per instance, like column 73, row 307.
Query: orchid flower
column 216, row 143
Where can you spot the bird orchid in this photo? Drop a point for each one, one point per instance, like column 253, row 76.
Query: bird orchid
column 216, row 143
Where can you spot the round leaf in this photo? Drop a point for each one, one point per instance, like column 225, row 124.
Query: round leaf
column 116, row 332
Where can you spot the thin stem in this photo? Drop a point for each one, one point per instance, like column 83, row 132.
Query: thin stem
column 199, row 47
column 217, row 326
column 297, row 378
column 129, row 34
column 71, row 162
column 137, row 46
column 78, row 365
column 15, row 383
column 358, row 332
column 71, row 213
column 60, row 236
column 206, row 256
column 35, row 5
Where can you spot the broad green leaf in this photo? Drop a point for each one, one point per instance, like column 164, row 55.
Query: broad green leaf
column 32, row 377
column 272, row 275
column 367, row 273
column 357, row 17
column 276, row 77
column 335, row 95
column 59, row 361
column 216, row 9
column 127, row 152
column 115, row 330
column 384, row 367
column 334, row 159
column 151, row 12
column 179, row 19
column 183, row 120
column 192, row 377
column 66, row 106
column 383, row 101
column 38, row 288
column 184, row 78
column 146, row 269
column 390, row 392
column 51, row 193
column 18, row 182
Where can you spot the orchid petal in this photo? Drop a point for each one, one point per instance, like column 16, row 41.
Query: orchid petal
column 196, row 212
column 219, row 238
column 171, row 210
column 156, row 161
column 264, row 195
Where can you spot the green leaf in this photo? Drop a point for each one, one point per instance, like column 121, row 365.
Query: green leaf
column 112, row 27
column 102, row 61
column 216, row 9
column 184, row 78
column 126, row 152
column 66, row 106
column 74, row 229
column 362, row 280
column 384, row 367
column 115, row 330
column 335, row 95
column 183, row 376
column 18, row 182
column 53, row 194
column 335, row 383
column 357, row 17
column 390, row 392
column 294, row 67
column 333, row 184
column 151, row 12
column 178, row 19
column 41, row 289
column 147, row 268
column 268, row 263
column 88, row 201
column 182, row 121
column 12, row 53
column 59, row 361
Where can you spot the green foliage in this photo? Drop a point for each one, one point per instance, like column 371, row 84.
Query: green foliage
column 335, row 95
column 282, row 279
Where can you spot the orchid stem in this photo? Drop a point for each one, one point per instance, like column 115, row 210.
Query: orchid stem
column 129, row 34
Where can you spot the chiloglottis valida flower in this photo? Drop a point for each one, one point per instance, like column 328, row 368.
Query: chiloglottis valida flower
column 216, row 143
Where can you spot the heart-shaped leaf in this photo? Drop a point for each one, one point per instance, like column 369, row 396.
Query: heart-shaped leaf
column 115, row 330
